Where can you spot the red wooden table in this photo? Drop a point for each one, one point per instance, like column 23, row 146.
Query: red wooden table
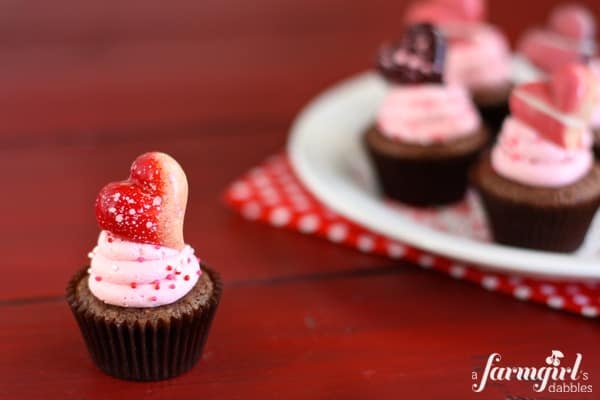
column 87, row 87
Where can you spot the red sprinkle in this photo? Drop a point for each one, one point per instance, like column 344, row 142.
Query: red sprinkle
column 140, row 259
column 157, row 247
column 189, row 260
column 170, row 277
column 172, row 286
column 186, row 278
column 157, row 286
column 133, row 285
column 199, row 272
column 98, row 278
column 153, row 298
column 169, row 268
column 177, row 272
column 110, row 240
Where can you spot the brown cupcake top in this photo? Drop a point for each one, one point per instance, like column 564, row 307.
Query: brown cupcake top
column 199, row 297
column 452, row 148
column 584, row 190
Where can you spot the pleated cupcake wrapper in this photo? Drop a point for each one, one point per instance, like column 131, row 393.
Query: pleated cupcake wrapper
column 493, row 115
column 150, row 351
column 423, row 182
column 272, row 194
column 549, row 229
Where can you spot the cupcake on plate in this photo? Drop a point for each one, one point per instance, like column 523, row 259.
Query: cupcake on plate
column 595, row 123
column 479, row 55
column 539, row 184
column 568, row 37
column 145, row 304
column 427, row 133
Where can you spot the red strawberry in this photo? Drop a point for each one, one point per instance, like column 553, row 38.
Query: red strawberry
column 574, row 21
column 559, row 108
column 446, row 11
column 573, row 89
column 149, row 206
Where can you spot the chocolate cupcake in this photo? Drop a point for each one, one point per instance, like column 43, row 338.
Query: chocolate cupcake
column 145, row 304
column 426, row 134
column 539, row 184
column 479, row 55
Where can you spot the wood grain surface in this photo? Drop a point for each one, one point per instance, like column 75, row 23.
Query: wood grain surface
column 85, row 87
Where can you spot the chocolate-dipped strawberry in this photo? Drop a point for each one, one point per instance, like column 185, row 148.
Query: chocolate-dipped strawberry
column 418, row 58
column 426, row 132
column 478, row 54
column 145, row 297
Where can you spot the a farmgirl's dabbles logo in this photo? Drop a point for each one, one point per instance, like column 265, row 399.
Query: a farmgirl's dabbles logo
column 550, row 376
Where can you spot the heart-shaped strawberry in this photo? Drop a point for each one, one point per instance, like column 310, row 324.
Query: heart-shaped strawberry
column 573, row 90
column 559, row 108
column 148, row 207
column 419, row 58
column 568, row 37
column 574, row 21
column 446, row 11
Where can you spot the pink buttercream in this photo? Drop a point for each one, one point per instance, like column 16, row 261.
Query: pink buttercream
column 129, row 274
column 595, row 67
column 478, row 56
column 522, row 155
column 425, row 114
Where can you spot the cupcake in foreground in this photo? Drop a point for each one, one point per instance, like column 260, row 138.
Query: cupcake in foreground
column 478, row 53
column 568, row 37
column 427, row 133
column 145, row 304
column 540, row 185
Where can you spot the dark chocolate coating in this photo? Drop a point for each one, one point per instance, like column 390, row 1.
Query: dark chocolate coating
column 425, row 46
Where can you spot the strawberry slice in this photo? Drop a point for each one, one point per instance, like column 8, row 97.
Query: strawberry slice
column 564, row 131
column 149, row 206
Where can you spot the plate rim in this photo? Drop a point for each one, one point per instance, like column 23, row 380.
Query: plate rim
column 523, row 261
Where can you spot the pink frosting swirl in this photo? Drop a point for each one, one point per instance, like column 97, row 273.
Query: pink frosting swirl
column 130, row 274
column 425, row 114
column 522, row 155
column 478, row 56
column 595, row 68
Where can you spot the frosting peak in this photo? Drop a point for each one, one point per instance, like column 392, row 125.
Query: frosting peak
column 523, row 155
column 129, row 274
column 425, row 114
column 478, row 56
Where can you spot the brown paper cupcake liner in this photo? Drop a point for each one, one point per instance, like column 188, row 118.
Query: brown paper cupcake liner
column 151, row 348
column 596, row 135
column 493, row 115
column 423, row 182
column 560, row 229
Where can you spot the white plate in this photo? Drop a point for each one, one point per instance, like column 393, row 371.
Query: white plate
column 327, row 154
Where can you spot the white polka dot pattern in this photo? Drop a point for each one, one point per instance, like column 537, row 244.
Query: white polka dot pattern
column 272, row 194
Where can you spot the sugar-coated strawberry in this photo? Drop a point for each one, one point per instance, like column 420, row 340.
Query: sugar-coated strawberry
column 148, row 207
column 559, row 108
column 446, row 11
column 545, row 123
column 573, row 20
column 573, row 89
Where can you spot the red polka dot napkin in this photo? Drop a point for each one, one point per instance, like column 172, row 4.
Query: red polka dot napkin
column 271, row 193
